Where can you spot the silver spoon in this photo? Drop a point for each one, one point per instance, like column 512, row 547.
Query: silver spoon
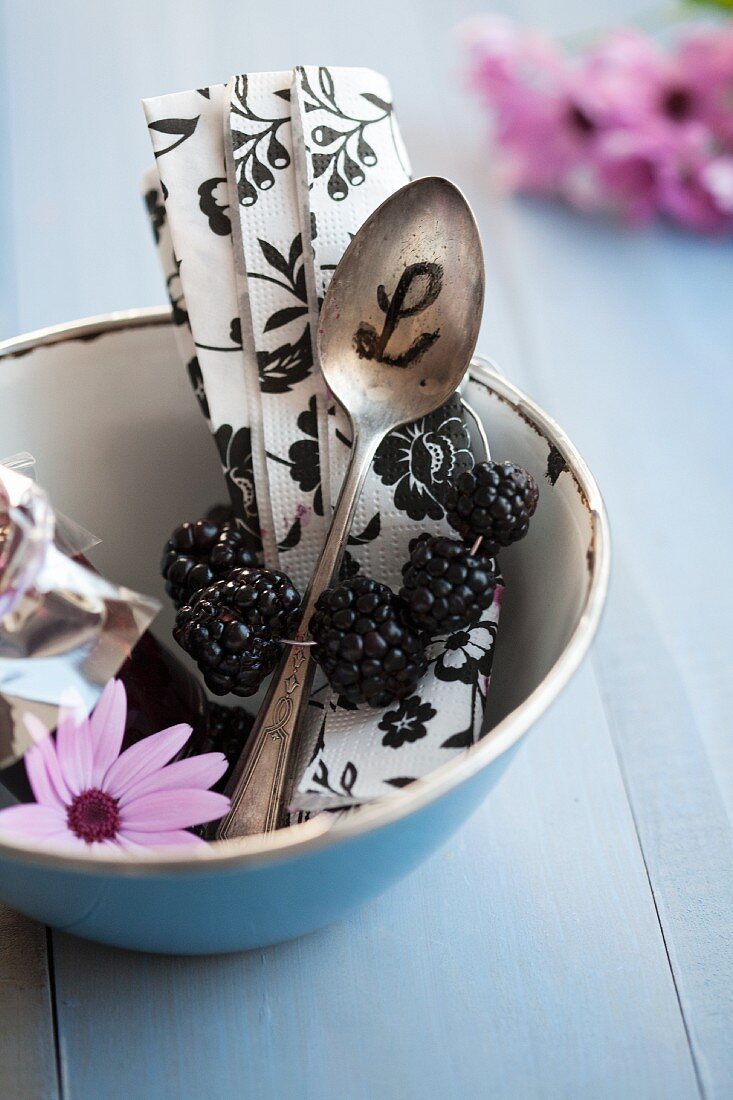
column 398, row 327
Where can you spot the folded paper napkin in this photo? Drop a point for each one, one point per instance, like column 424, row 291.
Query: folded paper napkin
column 261, row 185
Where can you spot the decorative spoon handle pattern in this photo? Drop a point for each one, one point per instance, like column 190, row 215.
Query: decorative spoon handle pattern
column 258, row 784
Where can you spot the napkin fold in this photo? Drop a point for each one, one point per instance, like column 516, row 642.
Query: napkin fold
column 276, row 309
column 154, row 197
column 188, row 142
column 307, row 156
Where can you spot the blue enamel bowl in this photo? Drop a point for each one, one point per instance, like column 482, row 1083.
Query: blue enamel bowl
column 120, row 445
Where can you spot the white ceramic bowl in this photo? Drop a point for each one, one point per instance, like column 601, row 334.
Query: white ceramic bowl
column 121, row 446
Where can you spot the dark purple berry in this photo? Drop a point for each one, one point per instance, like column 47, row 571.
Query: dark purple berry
column 364, row 645
column 199, row 553
column 232, row 629
column 445, row 586
column 227, row 731
column 494, row 501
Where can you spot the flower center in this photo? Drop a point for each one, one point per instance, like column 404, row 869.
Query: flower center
column 580, row 121
column 677, row 103
column 458, row 640
column 94, row 815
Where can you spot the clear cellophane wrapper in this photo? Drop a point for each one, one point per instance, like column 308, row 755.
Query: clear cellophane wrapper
column 64, row 629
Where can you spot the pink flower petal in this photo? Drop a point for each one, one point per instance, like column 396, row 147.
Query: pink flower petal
column 35, row 727
column 121, row 841
column 107, row 725
column 74, row 751
column 68, row 841
column 170, row 838
column 145, row 757
column 197, row 771
column 45, row 748
column 42, row 786
column 33, row 821
column 176, row 809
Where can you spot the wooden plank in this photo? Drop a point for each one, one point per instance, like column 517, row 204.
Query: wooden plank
column 524, row 960
column 628, row 338
column 27, row 1046
column 636, row 365
column 681, row 818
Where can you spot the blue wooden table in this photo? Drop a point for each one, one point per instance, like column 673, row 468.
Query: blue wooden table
column 574, row 939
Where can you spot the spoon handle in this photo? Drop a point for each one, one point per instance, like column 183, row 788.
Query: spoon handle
column 258, row 784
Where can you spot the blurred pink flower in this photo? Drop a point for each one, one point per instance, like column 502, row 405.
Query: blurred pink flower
column 626, row 127
column 541, row 117
column 89, row 796
column 696, row 189
column 639, row 84
column 706, row 59
column 627, row 163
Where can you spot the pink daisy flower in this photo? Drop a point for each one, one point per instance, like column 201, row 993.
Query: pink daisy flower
column 91, row 797
column 627, row 166
column 705, row 57
column 640, row 85
column 697, row 190
column 542, row 117
column 626, row 127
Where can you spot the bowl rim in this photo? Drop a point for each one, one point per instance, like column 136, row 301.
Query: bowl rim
column 310, row 836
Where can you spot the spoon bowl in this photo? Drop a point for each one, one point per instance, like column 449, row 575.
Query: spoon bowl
column 401, row 316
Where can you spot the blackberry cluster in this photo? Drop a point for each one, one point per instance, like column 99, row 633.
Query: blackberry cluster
column 232, row 629
column 494, row 501
column 363, row 644
column 200, row 553
column 370, row 642
column 228, row 729
column 446, row 587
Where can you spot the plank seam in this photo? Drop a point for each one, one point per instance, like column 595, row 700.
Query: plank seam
column 54, row 1013
column 610, row 718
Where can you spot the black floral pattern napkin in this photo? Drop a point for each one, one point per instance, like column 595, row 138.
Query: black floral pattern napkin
column 265, row 182
column 351, row 157
column 275, row 306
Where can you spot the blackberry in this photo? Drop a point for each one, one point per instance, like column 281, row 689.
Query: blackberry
column 197, row 554
column 228, row 729
column 363, row 644
column 445, row 586
column 495, row 501
column 231, row 551
column 232, row 629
